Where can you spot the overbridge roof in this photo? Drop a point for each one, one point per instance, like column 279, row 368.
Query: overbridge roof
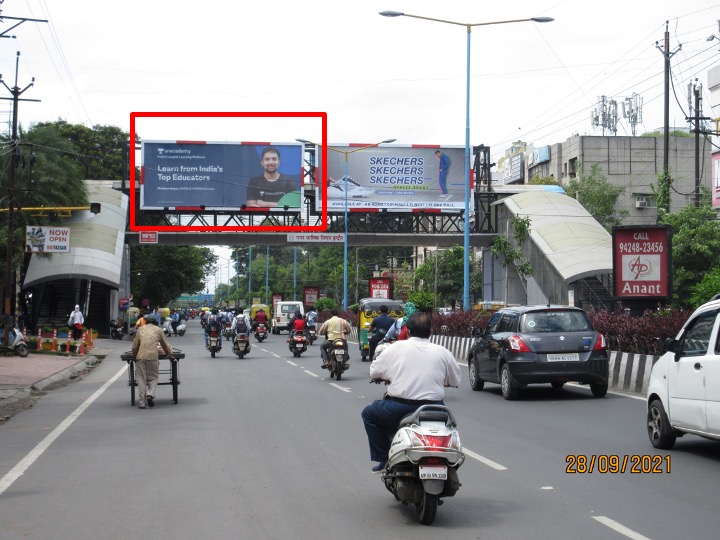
column 571, row 239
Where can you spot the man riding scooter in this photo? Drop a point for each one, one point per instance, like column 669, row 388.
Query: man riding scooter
column 334, row 328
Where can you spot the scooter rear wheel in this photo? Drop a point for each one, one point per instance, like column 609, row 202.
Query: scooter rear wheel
column 22, row 350
column 427, row 508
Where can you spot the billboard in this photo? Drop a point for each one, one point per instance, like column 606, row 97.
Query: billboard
column 642, row 261
column 220, row 176
column 47, row 239
column 394, row 178
column 311, row 295
column 381, row 287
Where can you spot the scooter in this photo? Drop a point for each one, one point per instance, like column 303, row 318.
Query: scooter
column 311, row 334
column 337, row 359
column 241, row 344
column 298, row 343
column 425, row 455
column 260, row 332
column 227, row 332
column 117, row 329
column 214, row 338
column 17, row 342
column 168, row 329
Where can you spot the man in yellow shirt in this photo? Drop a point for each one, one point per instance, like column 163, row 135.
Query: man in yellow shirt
column 334, row 328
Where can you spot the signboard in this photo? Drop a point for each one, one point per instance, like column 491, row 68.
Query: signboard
column 513, row 171
column 220, row 176
column 323, row 238
column 148, row 237
column 394, row 177
column 124, row 304
column 642, row 260
column 276, row 297
column 381, row 287
column 311, row 295
column 47, row 239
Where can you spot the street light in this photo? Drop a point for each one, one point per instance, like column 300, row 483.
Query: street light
column 346, row 153
column 466, row 221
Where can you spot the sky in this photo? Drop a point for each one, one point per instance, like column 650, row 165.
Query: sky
column 376, row 77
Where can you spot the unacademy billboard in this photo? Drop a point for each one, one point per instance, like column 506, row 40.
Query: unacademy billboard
column 220, row 176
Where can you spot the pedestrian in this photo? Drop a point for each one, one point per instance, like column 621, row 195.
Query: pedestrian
column 147, row 365
column 75, row 323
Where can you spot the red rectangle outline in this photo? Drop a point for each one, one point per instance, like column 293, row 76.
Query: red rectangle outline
column 235, row 228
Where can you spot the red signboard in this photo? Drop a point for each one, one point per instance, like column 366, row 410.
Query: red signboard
column 311, row 295
column 276, row 297
column 381, row 287
column 642, row 260
column 148, row 237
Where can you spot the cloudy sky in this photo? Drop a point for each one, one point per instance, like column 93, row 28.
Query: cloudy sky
column 376, row 77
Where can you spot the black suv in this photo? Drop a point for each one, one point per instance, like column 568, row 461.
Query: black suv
column 538, row 344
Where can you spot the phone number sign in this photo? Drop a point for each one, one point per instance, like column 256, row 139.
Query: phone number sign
column 642, row 260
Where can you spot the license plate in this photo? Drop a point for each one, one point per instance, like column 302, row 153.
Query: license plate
column 433, row 473
column 567, row 357
column 340, row 355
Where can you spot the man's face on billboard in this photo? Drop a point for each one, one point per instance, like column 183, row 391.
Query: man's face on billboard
column 270, row 162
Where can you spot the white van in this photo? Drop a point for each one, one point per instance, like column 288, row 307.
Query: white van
column 684, row 390
column 284, row 312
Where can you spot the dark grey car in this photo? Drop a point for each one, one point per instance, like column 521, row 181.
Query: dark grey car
column 538, row 344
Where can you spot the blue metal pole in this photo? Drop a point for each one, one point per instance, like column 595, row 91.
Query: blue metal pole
column 466, row 236
column 295, row 273
column 345, row 250
column 267, row 272
column 249, row 276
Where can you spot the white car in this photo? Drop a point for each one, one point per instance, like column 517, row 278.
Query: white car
column 336, row 189
column 684, row 391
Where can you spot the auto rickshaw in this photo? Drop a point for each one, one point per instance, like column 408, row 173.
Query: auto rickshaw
column 369, row 308
column 257, row 307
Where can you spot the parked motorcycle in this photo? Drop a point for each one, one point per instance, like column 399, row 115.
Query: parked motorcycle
column 260, row 332
column 227, row 331
column 241, row 344
column 337, row 359
column 168, row 329
column 311, row 332
column 425, row 455
column 16, row 343
column 214, row 338
column 117, row 329
column 298, row 344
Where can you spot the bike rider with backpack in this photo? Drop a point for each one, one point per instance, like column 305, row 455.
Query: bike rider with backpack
column 214, row 319
column 241, row 324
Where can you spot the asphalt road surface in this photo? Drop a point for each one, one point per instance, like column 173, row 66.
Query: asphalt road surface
column 270, row 447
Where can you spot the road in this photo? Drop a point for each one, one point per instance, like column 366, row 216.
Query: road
column 270, row 447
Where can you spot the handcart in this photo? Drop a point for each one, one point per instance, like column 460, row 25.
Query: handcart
column 172, row 370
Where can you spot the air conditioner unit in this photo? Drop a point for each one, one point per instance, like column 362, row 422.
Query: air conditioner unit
column 642, row 203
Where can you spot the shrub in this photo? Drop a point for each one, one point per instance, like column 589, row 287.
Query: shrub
column 459, row 323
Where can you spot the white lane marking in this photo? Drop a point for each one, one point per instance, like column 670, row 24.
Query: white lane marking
column 18, row 470
column 291, row 362
column 343, row 388
column 276, row 355
column 622, row 529
column 578, row 385
column 310, row 373
column 486, row 461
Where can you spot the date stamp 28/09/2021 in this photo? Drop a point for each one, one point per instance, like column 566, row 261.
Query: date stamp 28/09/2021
column 617, row 464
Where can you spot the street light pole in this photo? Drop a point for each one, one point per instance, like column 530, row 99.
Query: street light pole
column 346, row 153
column 466, row 220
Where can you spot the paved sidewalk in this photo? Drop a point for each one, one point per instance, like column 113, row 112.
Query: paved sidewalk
column 20, row 376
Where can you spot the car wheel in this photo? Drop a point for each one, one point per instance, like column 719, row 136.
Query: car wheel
column 599, row 389
column 476, row 383
column 660, row 431
column 557, row 385
column 509, row 391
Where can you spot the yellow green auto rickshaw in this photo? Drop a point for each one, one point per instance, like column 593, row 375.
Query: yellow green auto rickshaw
column 369, row 308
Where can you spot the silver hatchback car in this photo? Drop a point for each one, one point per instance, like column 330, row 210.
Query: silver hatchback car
column 538, row 344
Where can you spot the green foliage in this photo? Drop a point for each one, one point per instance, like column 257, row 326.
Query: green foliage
column 503, row 250
column 662, row 194
column 446, row 269
column 324, row 304
column 597, row 195
column 538, row 180
column 423, row 300
column 695, row 250
column 707, row 288
column 162, row 273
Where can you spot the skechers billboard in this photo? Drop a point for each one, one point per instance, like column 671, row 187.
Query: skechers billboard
column 220, row 176
column 396, row 178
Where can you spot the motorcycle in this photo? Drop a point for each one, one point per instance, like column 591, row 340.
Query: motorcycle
column 260, row 332
column 17, row 342
column 227, row 332
column 298, row 344
column 241, row 344
column 117, row 329
column 311, row 334
column 425, row 455
column 214, row 338
column 337, row 359
column 168, row 329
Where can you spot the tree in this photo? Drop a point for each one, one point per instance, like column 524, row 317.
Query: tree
column 162, row 273
column 446, row 269
column 695, row 249
column 502, row 248
column 597, row 195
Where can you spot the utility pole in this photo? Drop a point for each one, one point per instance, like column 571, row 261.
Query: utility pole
column 15, row 92
column 695, row 118
column 666, row 135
